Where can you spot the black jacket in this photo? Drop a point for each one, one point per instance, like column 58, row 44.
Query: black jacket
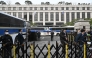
column 63, row 36
column 52, row 33
column 6, row 39
column 19, row 38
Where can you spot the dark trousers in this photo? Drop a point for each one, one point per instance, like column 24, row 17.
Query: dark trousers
column 7, row 52
column 51, row 38
column 20, row 47
column 38, row 37
column 63, row 45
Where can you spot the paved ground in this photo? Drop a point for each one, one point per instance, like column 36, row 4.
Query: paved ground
column 48, row 38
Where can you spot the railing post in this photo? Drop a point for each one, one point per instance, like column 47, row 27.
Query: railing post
column 84, row 50
column 49, row 50
column 71, row 49
column 26, row 49
column 66, row 47
column 75, row 51
column 56, row 49
column 32, row 53
column 14, row 52
column 18, row 49
column 34, row 48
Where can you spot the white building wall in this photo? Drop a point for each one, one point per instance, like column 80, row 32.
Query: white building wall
column 49, row 10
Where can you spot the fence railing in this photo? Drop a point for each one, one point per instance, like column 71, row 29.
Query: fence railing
column 55, row 50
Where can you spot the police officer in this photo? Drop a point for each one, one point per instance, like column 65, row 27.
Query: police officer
column 29, row 35
column 63, row 39
column 7, row 44
column 19, row 38
column 38, row 35
column 52, row 35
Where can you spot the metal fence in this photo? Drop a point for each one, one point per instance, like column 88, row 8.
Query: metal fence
column 33, row 50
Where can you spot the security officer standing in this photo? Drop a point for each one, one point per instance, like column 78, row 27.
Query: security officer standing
column 19, row 38
column 52, row 35
column 7, row 43
column 29, row 35
column 63, row 39
column 38, row 35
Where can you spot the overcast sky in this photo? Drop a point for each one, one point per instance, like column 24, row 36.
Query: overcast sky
column 51, row 1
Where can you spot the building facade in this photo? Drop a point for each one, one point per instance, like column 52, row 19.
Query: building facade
column 48, row 14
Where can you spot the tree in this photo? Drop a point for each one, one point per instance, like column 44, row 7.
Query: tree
column 2, row 3
column 17, row 3
column 79, row 4
column 42, row 3
column 28, row 2
column 32, row 24
column 59, row 3
column 47, row 3
column 8, row 2
column 71, row 23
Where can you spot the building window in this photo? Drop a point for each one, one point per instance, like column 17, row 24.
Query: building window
column 31, row 8
column 78, row 15
column 41, row 8
column 46, row 8
column 25, row 15
column 41, row 16
column 9, row 8
column 62, row 8
column 67, row 8
column 14, row 8
column 62, row 16
column 39, row 24
column 67, row 16
column 35, row 8
column 46, row 16
column 3, row 8
column 20, row 14
column 52, row 16
column 20, row 8
column 36, row 17
column 77, row 8
column 14, row 14
column 83, row 15
column 72, row 15
column 52, row 8
column 0, row 8
column 83, row 8
column 57, row 16
column 9, row 13
column 56, row 8
column 30, row 16
column 73, row 8
column 88, row 15
column 88, row 8
column 49, row 24
column 59, row 24
column 25, row 8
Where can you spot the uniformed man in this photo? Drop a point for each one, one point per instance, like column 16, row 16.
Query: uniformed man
column 7, row 44
column 63, row 39
column 52, row 35
column 19, row 38
column 38, row 35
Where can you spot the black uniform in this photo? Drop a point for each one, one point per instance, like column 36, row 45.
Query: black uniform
column 7, row 43
column 63, row 40
column 19, row 38
column 39, row 35
column 52, row 35
column 29, row 36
